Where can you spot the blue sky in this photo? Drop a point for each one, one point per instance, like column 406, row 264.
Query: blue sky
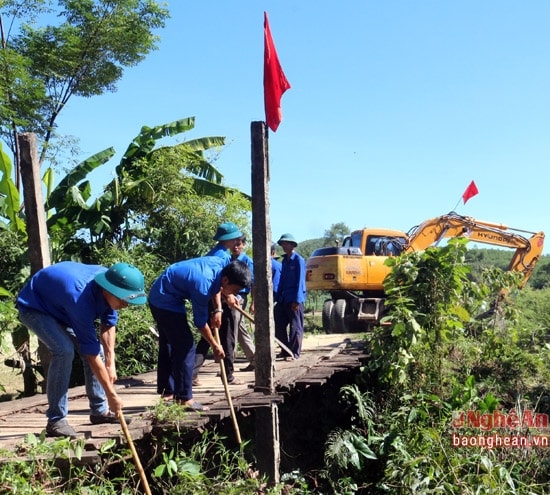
column 395, row 106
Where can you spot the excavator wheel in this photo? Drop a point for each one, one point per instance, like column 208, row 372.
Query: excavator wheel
column 338, row 316
column 325, row 315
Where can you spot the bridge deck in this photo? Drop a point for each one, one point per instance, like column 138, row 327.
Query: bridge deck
column 322, row 356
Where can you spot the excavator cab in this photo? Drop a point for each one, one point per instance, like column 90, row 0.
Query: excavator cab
column 385, row 246
column 376, row 244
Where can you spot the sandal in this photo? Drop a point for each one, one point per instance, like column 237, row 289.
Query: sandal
column 235, row 381
column 289, row 358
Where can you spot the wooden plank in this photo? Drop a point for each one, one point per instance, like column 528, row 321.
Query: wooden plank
column 313, row 368
column 311, row 383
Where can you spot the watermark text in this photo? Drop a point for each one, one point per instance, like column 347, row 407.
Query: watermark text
column 525, row 430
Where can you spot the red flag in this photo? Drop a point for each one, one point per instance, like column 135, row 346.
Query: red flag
column 470, row 192
column 275, row 82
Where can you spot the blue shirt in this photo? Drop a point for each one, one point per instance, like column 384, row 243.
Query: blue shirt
column 220, row 251
column 275, row 275
column 67, row 292
column 196, row 280
column 248, row 261
column 292, row 284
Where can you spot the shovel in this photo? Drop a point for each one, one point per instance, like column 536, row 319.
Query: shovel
column 134, row 454
column 226, row 389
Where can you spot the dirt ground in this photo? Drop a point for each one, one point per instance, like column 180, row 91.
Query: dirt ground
column 11, row 379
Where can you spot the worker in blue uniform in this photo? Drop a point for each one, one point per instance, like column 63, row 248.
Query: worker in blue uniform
column 200, row 281
column 61, row 304
column 290, row 298
column 227, row 235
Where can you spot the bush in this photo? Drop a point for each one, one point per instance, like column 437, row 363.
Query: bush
column 452, row 345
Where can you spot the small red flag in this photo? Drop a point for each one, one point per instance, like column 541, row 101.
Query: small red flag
column 470, row 192
column 275, row 82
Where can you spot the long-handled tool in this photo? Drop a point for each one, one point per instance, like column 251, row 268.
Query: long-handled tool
column 134, row 454
column 251, row 318
column 227, row 393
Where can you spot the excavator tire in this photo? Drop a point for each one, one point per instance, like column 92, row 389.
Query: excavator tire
column 338, row 316
column 325, row 315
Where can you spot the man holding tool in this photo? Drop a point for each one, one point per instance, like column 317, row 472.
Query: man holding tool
column 60, row 304
column 200, row 281
column 243, row 337
column 227, row 235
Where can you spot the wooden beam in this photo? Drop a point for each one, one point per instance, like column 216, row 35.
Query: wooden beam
column 267, row 424
column 39, row 248
column 37, row 230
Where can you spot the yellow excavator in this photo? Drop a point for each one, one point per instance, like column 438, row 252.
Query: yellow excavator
column 354, row 272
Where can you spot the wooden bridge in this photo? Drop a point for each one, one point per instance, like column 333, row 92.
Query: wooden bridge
column 322, row 357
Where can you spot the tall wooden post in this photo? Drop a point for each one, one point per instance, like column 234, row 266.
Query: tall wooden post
column 37, row 231
column 39, row 248
column 267, row 419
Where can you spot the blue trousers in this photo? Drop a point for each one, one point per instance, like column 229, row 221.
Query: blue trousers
column 284, row 317
column 227, row 340
column 62, row 343
column 176, row 356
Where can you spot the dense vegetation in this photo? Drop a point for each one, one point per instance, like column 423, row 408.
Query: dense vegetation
column 440, row 354
column 459, row 368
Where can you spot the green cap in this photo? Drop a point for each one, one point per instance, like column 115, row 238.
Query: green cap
column 287, row 238
column 227, row 231
column 125, row 282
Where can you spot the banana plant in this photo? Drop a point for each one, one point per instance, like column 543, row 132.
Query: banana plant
column 10, row 217
column 108, row 216
column 208, row 179
column 67, row 203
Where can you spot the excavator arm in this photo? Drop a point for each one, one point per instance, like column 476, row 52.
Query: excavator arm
column 528, row 250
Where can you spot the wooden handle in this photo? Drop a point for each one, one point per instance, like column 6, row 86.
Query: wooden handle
column 134, row 454
column 277, row 341
column 244, row 313
column 227, row 393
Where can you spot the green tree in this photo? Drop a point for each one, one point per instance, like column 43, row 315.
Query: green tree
column 184, row 218
column 335, row 234
column 534, row 316
column 10, row 218
column 85, row 55
column 541, row 274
